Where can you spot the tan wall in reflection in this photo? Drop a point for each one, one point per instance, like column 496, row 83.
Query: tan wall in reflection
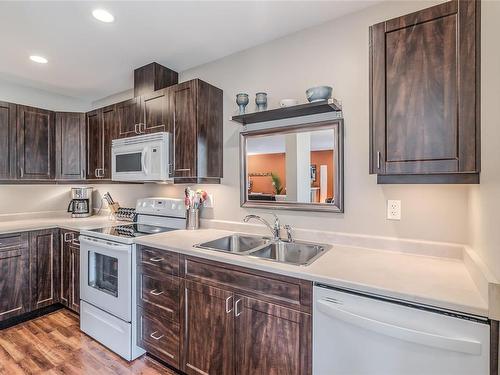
column 275, row 163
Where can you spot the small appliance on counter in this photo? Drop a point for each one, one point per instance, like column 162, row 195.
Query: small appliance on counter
column 81, row 202
column 108, row 282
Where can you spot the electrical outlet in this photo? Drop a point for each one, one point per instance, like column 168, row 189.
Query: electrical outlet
column 393, row 210
column 209, row 202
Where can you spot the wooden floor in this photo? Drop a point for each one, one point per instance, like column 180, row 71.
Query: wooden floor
column 54, row 344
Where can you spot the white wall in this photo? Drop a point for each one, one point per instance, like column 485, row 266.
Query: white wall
column 484, row 207
column 335, row 53
column 15, row 93
column 47, row 198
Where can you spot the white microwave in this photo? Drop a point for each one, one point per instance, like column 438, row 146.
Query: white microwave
column 142, row 158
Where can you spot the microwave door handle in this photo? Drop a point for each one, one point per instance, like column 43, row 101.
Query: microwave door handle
column 144, row 165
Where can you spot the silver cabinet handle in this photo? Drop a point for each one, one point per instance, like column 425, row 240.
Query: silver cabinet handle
column 378, row 159
column 155, row 337
column 67, row 237
column 183, row 170
column 157, row 259
column 236, row 312
column 135, row 129
column 96, row 173
column 22, row 172
column 141, row 131
column 154, row 292
column 228, row 310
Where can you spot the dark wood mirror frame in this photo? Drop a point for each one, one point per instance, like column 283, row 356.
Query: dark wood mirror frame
column 338, row 206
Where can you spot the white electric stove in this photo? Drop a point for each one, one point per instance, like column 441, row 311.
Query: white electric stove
column 108, row 273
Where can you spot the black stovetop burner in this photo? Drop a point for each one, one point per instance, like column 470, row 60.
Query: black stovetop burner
column 132, row 230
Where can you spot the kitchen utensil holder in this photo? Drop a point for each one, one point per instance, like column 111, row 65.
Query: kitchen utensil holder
column 192, row 219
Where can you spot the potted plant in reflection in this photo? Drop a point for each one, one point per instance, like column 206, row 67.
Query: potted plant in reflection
column 277, row 186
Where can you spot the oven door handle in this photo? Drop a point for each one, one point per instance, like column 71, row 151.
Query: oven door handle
column 103, row 244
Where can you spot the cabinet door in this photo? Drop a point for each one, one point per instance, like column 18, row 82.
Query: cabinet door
column 208, row 330
column 7, row 141
column 35, row 143
column 128, row 117
column 65, row 269
column 423, row 92
column 109, row 133
column 156, row 115
column 271, row 339
column 14, row 271
column 74, row 281
column 44, row 266
column 70, row 146
column 95, row 138
column 184, row 104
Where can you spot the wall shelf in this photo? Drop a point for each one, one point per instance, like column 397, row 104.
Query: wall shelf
column 307, row 109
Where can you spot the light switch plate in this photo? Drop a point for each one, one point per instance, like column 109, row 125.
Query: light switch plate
column 393, row 210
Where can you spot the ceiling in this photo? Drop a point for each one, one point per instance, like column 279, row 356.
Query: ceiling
column 90, row 60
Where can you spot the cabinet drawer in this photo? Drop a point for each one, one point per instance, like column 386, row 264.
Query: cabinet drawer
column 160, row 295
column 11, row 240
column 158, row 337
column 274, row 288
column 158, row 260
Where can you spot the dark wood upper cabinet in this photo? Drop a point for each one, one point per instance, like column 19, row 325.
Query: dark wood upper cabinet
column 209, row 325
column 44, row 268
column 7, row 141
column 70, row 146
column 101, row 129
column 197, row 108
column 14, row 271
column 156, row 112
column 35, row 143
column 152, row 77
column 95, row 143
column 128, row 117
column 109, row 133
column 424, row 101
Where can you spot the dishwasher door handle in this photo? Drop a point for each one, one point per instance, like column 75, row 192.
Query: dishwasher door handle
column 401, row 333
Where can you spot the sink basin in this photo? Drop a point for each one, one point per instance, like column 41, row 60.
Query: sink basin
column 297, row 253
column 235, row 243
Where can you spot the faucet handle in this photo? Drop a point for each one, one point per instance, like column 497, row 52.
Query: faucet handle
column 288, row 229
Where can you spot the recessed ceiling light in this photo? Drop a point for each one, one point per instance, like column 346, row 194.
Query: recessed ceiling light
column 39, row 59
column 103, row 15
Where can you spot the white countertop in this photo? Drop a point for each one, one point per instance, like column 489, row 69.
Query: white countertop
column 56, row 221
column 439, row 281
column 442, row 282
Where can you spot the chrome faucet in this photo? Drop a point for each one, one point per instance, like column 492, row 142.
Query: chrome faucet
column 275, row 229
column 288, row 229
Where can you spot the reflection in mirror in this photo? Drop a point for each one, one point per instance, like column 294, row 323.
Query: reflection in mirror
column 295, row 167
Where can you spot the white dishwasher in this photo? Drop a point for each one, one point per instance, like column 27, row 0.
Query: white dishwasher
column 356, row 334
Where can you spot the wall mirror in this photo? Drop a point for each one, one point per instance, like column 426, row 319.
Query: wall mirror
column 297, row 167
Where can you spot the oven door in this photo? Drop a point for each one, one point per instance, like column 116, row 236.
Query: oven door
column 130, row 162
column 106, row 276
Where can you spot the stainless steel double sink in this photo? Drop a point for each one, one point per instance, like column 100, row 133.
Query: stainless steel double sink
column 297, row 252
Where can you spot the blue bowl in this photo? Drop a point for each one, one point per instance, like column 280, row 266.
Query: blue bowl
column 318, row 93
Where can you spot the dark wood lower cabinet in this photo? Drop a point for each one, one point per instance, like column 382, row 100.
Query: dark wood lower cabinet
column 222, row 319
column 208, row 327
column 44, row 266
column 271, row 339
column 70, row 270
column 14, row 275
